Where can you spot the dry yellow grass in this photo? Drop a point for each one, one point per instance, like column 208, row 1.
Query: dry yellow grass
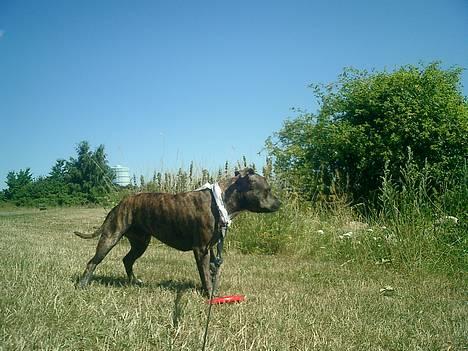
column 292, row 303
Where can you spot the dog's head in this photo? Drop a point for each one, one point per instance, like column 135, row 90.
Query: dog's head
column 253, row 193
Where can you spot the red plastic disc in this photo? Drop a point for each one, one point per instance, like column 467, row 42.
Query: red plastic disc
column 226, row 299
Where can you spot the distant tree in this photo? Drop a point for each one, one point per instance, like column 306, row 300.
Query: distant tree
column 367, row 119
column 89, row 173
column 59, row 170
column 17, row 183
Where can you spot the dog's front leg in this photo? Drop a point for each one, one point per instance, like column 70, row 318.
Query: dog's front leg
column 203, row 264
column 215, row 269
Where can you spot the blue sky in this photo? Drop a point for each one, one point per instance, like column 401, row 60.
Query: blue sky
column 161, row 83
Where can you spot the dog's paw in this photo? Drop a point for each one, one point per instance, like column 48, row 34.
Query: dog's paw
column 136, row 281
column 81, row 285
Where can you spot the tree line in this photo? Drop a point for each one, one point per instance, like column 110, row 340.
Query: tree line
column 85, row 179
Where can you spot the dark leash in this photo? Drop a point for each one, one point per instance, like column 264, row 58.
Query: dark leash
column 218, row 260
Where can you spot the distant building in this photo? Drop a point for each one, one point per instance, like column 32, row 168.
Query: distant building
column 122, row 175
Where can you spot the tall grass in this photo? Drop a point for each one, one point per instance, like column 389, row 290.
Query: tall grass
column 171, row 181
column 426, row 226
column 188, row 179
column 414, row 226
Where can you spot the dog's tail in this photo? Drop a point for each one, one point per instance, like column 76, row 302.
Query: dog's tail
column 109, row 219
column 90, row 235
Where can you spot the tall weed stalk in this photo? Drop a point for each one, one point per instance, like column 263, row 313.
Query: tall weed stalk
column 421, row 230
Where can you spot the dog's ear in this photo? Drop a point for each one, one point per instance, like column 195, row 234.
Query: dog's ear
column 244, row 172
column 243, row 183
column 249, row 171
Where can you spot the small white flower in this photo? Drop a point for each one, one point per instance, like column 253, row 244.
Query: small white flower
column 383, row 261
column 387, row 290
column 446, row 220
column 320, row 231
column 347, row 235
column 452, row 219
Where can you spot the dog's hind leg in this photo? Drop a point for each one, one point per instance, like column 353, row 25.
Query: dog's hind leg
column 203, row 264
column 138, row 246
column 105, row 244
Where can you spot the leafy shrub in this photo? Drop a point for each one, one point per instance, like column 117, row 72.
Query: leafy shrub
column 369, row 119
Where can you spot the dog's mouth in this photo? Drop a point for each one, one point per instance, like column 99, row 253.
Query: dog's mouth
column 275, row 206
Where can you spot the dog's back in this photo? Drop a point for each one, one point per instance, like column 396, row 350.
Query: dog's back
column 177, row 220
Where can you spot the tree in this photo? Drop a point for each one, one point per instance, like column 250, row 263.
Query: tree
column 89, row 173
column 59, row 170
column 368, row 119
column 17, row 183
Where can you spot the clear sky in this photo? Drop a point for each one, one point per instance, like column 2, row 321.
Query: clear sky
column 161, row 83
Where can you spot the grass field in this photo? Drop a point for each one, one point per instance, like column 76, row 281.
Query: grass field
column 293, row 303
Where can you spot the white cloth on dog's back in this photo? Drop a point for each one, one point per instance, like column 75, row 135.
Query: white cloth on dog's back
column 218, row 196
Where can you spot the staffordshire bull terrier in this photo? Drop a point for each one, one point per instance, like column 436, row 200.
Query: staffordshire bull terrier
column 184, row 221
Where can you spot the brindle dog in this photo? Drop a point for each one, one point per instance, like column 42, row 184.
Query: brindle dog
column 184, row 221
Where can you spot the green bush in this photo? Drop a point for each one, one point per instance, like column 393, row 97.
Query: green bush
column 366, row 120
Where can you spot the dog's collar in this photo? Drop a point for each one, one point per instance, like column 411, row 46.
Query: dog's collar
column 218, row 196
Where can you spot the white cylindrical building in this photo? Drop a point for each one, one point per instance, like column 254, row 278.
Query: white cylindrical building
column 122, row 175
